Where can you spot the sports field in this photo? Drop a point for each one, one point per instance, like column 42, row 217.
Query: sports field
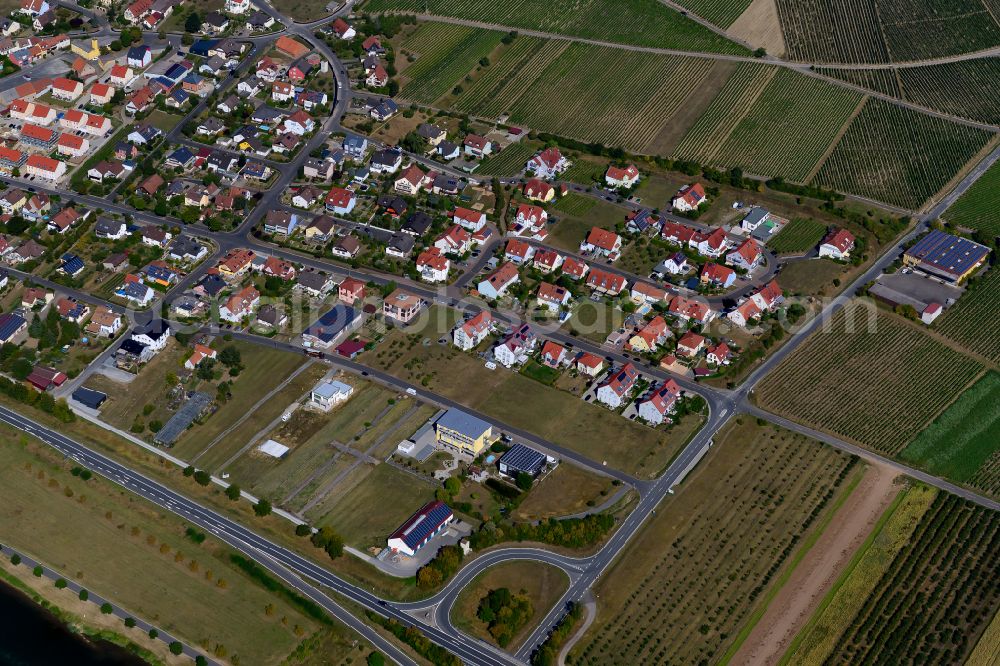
column 689, row 580
column 867, row 376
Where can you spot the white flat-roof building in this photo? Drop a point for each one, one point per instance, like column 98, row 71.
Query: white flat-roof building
column 327, row 394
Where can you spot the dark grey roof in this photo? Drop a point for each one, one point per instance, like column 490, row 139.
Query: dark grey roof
column 521, row 458
column 196, row 403
column 89, row 397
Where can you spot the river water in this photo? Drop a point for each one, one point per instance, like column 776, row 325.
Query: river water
column 30, row 636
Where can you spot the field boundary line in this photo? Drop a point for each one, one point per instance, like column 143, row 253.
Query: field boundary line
column 851, row 566
column 786, row 574
column 948, row 342
column 836, row 139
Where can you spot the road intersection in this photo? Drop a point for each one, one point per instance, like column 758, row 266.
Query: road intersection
column 431, row 616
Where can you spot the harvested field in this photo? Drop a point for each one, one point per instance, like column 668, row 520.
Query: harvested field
column 869, row 377
column 689, row 580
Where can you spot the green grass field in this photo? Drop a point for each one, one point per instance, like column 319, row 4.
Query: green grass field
column 692, row 576
column 800, row 235
column 971, row 320
column 964, row 437
column 867, row 376
column 640, row 22
column 979, row 207
column 784, row 133
column 899, row 156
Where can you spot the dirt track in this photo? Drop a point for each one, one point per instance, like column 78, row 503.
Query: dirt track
column 816, row 573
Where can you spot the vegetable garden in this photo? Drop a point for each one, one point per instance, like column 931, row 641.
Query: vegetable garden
column 685, row 586
column 900, row 156
column 868, row 377
column 938, row 596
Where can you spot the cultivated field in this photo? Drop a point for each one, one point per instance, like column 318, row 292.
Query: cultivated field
column 964, row 438
column 937, row 597
column 971, row 320
column 508, row 162
column 446, row 53
column 884, row 81
column 866, row 31
column 478, row 96
column 959, row 88
column 724, row 112
column 843, row 601
column 606, row 94
column 639, row 22
column 899, row 156
column 869, row 377
column 720, row 12
column 789, row 127
column 798, row 236
column 979, row 207
column 690, row 579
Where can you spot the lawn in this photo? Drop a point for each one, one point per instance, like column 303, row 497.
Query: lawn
column 522, row 402
column 163, row 121
column 963, row 438
column 379, row 503
column 594, row 321
column 567, row 490
column 798, row 236
column 198, row 595
column 811, row 277
column 576, row 215
column 543, row 584
column 540, row 373
column 868, row 376
column 690, row 578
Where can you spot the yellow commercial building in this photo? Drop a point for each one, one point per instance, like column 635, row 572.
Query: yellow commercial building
column 463, row 432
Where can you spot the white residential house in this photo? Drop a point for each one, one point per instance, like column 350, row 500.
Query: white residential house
column 837, row 244
column 470, row 333
column 516, row 347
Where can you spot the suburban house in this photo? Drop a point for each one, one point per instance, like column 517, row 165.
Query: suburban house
column 715, row 275
column 454, row 240
column 401, row 306
column 618, row 177
column 538, row 190
column 201, row 352
column 133, row 289
column 589, row 364
column 477, row 146
column 410, row 180
column 713, row 244
column 547, row 261
column 432, row 265
column 662, row 401
column 552, row 296
column 104, row 323
column 518, row 251
column 327, row 394
column 690, row 344
column 496, row 284
column 470, row 219
column 340, row 201
column 765, row 299
column 574, row 268
column 473, row 331
column 240, row 305
column 520, row 459
column 516, row 346
column 602, row 243
column 281, row 222
column 553, row 354
column 646, row 293
column 605, row 282
column 689, row 309
column 617, row 388
column 650, row 336
column 837, row 244
column 747, row 255
column 719, row 354
column 689, row 197
column 530, row 221
column 351, row 290
column 13, row 328
column 332, row 327
column 548, row 163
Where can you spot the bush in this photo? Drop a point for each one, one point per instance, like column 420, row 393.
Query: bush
column 106, row 608
column 37, row 571
column 189, row 471
column 262, row 507
column 202, row 478
column 84, row 595
column 153, row 633
column 61, row 584
column 303, row 530
column 176, row 648
column 15, row 559
column 130, row 622
column 233, row 492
